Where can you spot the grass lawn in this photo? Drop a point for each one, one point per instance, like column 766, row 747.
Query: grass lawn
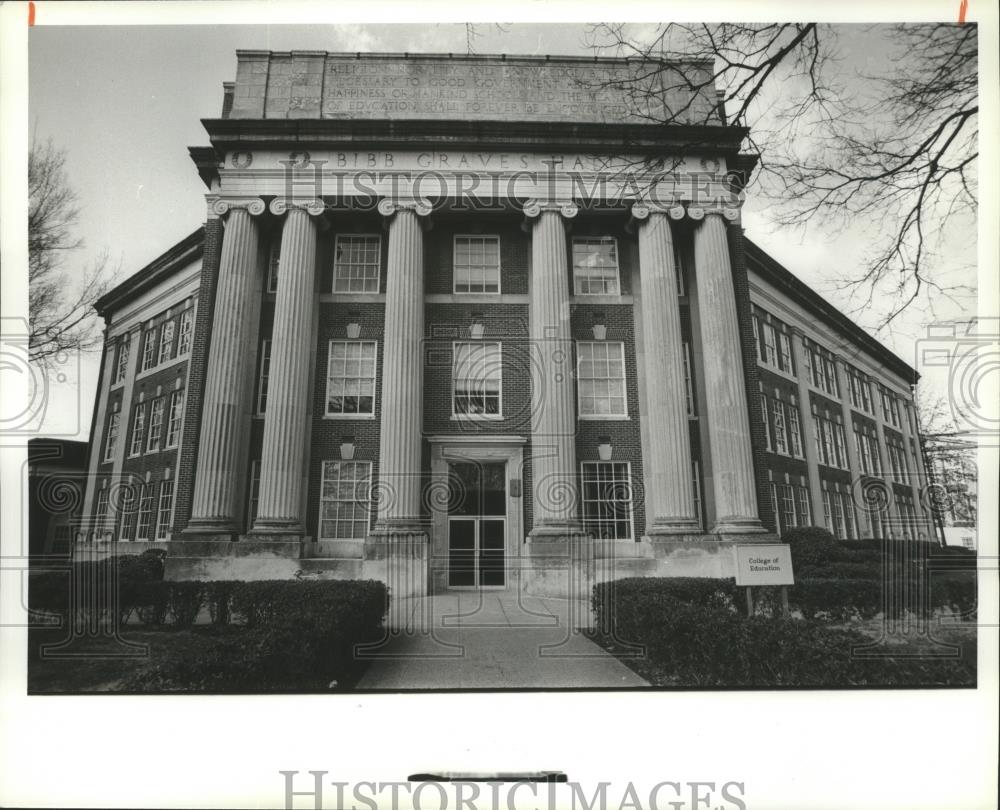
column 102, row 664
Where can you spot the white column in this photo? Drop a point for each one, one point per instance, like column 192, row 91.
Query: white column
column 808, row 427
column 283, row 458
column 726, row 406
column 667, row 466
column 401, row 445
column 553, row 418
column 229, row 376
column 857, row 474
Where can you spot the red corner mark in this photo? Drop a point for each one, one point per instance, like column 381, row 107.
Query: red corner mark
column 961, row 11
column 31, row 14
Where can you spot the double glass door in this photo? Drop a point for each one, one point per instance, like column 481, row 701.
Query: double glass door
column 477, row 525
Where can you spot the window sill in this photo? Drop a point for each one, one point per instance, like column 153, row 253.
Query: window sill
column 476, row 417
column 181, row 358
column 353, row 416
column 604, row 418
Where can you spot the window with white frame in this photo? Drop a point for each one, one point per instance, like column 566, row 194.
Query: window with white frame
column 765, row 411
column 128, row 510
column 167, row 340
column 860, row 392
column 772, row 343
column 109, row 445
column 890, row 408
column 350, row 377
column 144, row 529
column 124, row 349
column 263, row 375
column 253, row 496
column 830, row 447
column 165, row 511
column 184, row 331
column 804, row 512
column 273, row 263
column 688, row 383
column 477, row 379
column 477, row 264
column 138, row 429
column 175, row 417
column 345, row 500
column 607, row 499
column 101, row 512
column 850, row 519
column 357, row 262
column 780, row 434
column 600, row 374
column 595, row 265
column 155, row 425
column 794, row 429
column 821, row 370
column 149, row 348
column 785, row 353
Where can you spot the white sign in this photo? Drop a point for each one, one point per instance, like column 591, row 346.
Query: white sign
column 764, row 565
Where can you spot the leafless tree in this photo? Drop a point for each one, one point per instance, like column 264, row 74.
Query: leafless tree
column 949, row 457
column 895, row 150
column 60, row 308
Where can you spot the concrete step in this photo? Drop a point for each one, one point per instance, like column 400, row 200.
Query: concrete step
column 332, row 568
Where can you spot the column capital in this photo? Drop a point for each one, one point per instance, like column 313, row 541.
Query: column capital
column 533, row 208
column 642, row 210
column 219, row 206
column 699, row 212
column 389, row 206
column 311, row 205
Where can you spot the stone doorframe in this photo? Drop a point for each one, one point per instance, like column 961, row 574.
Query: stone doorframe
column 483, row 448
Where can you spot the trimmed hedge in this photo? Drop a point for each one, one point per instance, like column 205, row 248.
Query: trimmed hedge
column 694, row 643
column 297, row 635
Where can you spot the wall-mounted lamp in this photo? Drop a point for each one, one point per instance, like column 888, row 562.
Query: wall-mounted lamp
column 477, row 327
column 600, row 330
column 347, row 447
column 604, row 448
column 353, row 327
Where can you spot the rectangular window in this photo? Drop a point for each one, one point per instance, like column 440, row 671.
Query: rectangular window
column 688, row 386
column 127, row 512
column 770, row 349
column 476, row 260
column 138, row 428
column 840, row 445
column 787, row 506
column 850, row 521
column 185, row 331
column 345, row 500
column 273, row 263
column 357, row 262
column 767, row 420
column 350, row 377
column 263, row 375
column 253, row 499
column 756, row 336
column 862, row 448
column 155, row 425
column 101, row 514
column 175, row 418
column 166, row 510
column 794, row 429
column 780, row 440
column 476, row 378
column 804, row 514
column 145, row 513
column 149, row 349
column 607, row 499
column 600, row 377
column 830, row 375
column 109, row 445
column 167, row 340
column 785, row 353
column 595, row 265
column 838, row 514
column 124, row 349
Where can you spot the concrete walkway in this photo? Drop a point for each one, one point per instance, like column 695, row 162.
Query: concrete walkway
column 491, row 640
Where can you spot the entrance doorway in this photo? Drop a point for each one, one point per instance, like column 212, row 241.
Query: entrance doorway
column 477, row 524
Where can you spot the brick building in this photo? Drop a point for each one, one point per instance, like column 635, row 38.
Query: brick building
column 474, row 322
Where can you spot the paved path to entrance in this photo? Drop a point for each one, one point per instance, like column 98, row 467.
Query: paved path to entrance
column 491, row 640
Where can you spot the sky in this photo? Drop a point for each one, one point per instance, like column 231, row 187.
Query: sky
column 126, row 103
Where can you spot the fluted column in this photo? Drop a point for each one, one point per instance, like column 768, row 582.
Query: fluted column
column 808, row 427
column 229, row 376
column 283, row 459
column 553, row 419
column 853, row 461
column 669, row 496
column 726, row 406
column 398, row 488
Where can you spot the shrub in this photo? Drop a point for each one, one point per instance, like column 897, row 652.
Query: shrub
column 696, row 644
column 152, row 602
column 838, row 600
column 298, row 635
column 185, row 600
column 813, row 546
column 218, row 595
